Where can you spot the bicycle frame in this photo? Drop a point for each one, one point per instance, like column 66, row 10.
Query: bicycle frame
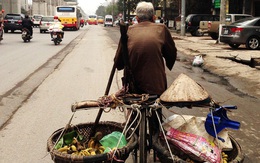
column 147, row 122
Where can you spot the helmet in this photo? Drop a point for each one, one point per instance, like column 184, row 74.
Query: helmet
column 26, row 16
column 56, row 17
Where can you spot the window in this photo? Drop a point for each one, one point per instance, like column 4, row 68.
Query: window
column 37, row 17
column 13, row 17
column 47, row 19
column 257, row 23
column 66, row 9
column 240, row 17
column 92, row 16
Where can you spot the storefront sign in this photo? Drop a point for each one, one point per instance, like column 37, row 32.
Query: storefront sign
column 217, row 3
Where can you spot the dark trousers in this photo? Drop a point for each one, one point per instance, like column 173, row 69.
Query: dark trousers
column 30, row 29
column 2, row 30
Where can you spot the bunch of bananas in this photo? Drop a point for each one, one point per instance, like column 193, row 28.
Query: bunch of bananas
column 94, row 145
column 76, row 148
column 91, row 151
column 224, row 157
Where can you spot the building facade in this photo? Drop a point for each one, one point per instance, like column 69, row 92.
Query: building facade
column 11, row 6
column 239, row 7
column 171, row 9
column 43, row 7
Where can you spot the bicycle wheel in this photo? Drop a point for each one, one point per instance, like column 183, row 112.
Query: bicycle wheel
column 142, row 138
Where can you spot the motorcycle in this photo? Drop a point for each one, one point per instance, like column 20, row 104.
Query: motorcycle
column 57, row 36
column 26, row 36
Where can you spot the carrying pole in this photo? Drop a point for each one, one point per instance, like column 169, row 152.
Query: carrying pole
column 108, row 86
column 106, row 93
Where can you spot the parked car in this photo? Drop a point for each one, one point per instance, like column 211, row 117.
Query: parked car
column 13, row 22
column 36, row 20
column 193, row 22
column 213, row 26
column 245, row 31
column 204, row 25
column 45, row 23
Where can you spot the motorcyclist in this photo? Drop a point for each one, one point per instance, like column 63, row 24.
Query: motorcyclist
column 28, row 24
column 56, row 26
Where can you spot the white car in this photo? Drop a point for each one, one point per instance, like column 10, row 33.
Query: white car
column 45, row 23
column 36, row 20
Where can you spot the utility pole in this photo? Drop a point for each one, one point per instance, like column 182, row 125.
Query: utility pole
column 222, row 11
column 164, row 8
column 183, row 8
column 222, row 17
column 113, row 2
column 124, row 10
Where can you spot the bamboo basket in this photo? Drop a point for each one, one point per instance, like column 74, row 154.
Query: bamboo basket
column 234, row 156
column 85, row 129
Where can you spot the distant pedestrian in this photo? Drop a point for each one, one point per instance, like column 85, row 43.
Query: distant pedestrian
column 160, row 19
column 165, row 21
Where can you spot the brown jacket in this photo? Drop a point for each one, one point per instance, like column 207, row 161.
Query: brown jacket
column 148, row 44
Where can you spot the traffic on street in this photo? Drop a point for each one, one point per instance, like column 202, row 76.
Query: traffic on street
column 40, row 81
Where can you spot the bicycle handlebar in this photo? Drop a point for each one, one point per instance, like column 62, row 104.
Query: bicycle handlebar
column 84, row 104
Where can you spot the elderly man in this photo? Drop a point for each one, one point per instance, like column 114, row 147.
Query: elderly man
column 150, row 46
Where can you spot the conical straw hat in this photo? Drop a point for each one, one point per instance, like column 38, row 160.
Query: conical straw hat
column 184, row 89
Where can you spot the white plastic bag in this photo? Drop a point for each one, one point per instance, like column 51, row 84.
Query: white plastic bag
column 198, row 60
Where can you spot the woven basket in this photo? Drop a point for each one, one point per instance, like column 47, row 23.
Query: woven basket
column 234, row 156
column 85, row 129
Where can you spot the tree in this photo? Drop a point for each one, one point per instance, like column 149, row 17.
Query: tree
column 107, row 10
column 128, row 6
column 112, row 8
column 101, row 11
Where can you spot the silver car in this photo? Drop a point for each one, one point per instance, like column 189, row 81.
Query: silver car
column 36, row 20
column 45, row 23
column 245, row 31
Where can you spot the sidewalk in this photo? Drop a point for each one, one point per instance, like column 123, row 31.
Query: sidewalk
column 247, row 78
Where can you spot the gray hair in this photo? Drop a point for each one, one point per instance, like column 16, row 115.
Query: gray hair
column 145, row 11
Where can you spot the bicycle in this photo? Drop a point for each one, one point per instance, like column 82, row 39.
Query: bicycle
column 145, row 120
